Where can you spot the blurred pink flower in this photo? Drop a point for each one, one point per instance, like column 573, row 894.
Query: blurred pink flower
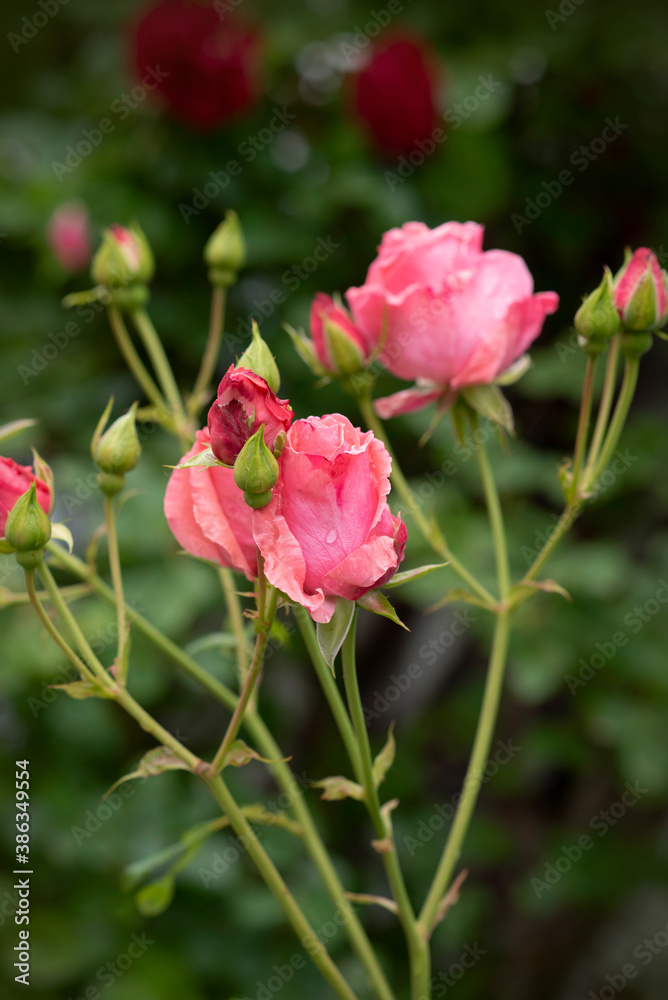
column 68, row 234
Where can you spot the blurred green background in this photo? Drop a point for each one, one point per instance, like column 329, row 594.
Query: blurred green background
column 562, row 76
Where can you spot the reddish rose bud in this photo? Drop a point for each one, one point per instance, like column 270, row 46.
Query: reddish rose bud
column 243, row 403
column 68, row 233
column 337, row 343
column 395, row 95
column 641, row 292
column 123, row 257
column 15, row 480
column 201, row 58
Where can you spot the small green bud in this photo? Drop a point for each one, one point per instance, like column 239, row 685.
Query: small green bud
column 597, row 318
column 28, row 528
column 117, row 450
column 346, row 354
column 259, row 359
column 225, row 251
column 123, row 258
column 256, row 470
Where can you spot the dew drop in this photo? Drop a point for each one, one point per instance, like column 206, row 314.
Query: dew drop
column 330, row 538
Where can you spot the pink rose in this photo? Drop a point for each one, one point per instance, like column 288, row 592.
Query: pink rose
column 68, row 233
column 337, row 343
column 328, row 531
column 15, row 479
column 208, row 515
column 244, row 402
column 641, row 292
column 453, row 315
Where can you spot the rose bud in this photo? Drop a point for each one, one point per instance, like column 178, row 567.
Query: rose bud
column 245, row 402
column 445, row 313
column 27, row 528
column 117, row 450
column 68, row 233
column 256, row 471
column 395, row 95
column 258, row 358
column 204, row 65
column 208, row 516
column 123, row 258
column 597, row 319
column 338, row 345
column 15, row 480
column 641, row 292
column 225, row 251
column 328, row 531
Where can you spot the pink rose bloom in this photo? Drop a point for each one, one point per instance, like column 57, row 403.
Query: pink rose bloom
column 328, row 531
column 454, row 316
column 15, row 479
column 208, row 515
column 351, row 346
column 245, row 401
column 68, row 233
column 642, row 275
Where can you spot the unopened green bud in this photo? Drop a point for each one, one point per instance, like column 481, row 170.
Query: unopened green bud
column 117, row 450
column 225, row 251
column 597, row 318
column 259, row 359
column 123, row 258
column 346, row 354
column 256, row 471
column 28, row 528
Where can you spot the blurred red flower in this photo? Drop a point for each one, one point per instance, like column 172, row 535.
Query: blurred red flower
column 395, row 94
column 209, row 59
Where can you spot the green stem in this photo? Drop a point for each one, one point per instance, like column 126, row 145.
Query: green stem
column 62, row 643
column 316, row 950
column 430, row 534
column 605, row 405
column 234, row 726
column 123, row 653
column 156, row 352
column 488, row 712
column 211, row 350
column 474, row 775
column 626, row 392
column 236, row 619
column 133, row 361
column 329, row 687
column 583, row 425
column 269, row 749
column 417, row 943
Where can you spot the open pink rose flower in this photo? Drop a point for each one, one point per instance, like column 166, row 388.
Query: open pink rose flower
column 15, row 479
column 452, row 314
column 328, row 531
column 208, row 515
column 243, row 403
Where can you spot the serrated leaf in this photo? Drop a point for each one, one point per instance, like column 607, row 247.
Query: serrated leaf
column 385, row 758
column 489, row 402
column 376, row 602
column 154, row 898
column 240, row 754
column 331, row 635
column 156, row 761
column 205, row 459
column 413, row 574
column 459, row 594
column 15, row 427
column 61, row 533
column 338, row 787
column 82, row 689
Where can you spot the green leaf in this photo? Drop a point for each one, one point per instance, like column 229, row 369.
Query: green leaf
column 338, row 787
column 413, row 574
column 459, row 594
column 154, row 762
column 240, row 754
column 331, row 634
column 549, row 586
column 61, row 533
column 385, row 758
column 489, row 402
column 374, row 601
column 205, row 459
column 82, row 689
column 154, row 898
column 515, row 372
column 15, row 427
